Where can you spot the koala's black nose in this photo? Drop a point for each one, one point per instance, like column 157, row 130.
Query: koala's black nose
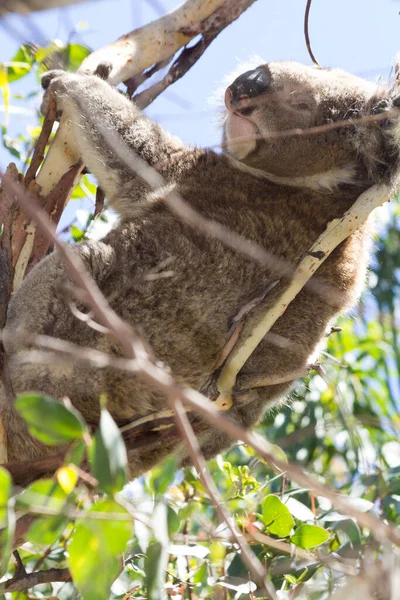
column 251, row 84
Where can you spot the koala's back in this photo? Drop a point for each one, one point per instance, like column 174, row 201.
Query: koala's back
column 186, row 313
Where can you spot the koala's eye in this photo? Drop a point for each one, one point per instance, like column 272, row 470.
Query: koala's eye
column 300, row 102
column 302, row 106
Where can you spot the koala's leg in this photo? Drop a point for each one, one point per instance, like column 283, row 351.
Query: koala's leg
column 40, row 307
column 110, row 133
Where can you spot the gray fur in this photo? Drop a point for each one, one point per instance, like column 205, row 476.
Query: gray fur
column 186, row 316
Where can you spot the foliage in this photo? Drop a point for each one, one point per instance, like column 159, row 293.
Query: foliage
column 159, row 536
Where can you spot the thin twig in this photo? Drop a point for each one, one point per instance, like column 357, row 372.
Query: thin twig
column 187, row 434
column 307, row 35
column 41, row 143
column 314, row 130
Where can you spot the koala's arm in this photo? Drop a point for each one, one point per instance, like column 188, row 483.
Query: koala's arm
column 106, row 126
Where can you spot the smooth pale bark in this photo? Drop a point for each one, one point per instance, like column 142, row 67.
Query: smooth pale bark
column 27, row 6
column 129, row 55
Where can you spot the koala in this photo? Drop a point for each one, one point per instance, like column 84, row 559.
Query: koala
column 279, row 192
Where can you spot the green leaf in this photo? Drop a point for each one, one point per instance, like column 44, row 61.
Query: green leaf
column 76, row 453
column 276, row 516
column 7, row 519
column 309, row 536
column 217, row 553
column 9, row 143
column 20, row 64
column 5, row 88
column 201, row 575
column 173, row 521
column 108, row 455
column 5, row 493
column 156, row 560
column 84, row 189
column 77, row 233
column 49, row 420
column 46, row 530
column 76, row 53
column 44, row 493
column 162, row 476
column 95, row 552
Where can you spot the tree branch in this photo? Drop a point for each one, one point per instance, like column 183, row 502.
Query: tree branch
column 27, row 6
column 25, row 580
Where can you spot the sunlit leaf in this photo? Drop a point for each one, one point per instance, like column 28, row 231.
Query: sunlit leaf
column 7, row 519
column 5, row 88
column 5, row 492
column 276, row 516
column 76, row 53
column 67, row 478
column 299, row 510
column 20, row 65
column 309, row 536
column 44, row 493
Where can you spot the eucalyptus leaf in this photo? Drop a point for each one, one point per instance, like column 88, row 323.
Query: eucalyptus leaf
column 50, row 420
column 20, row 64
column 309, row 536
column 108, row 455
column 96, row 547
column 276, row 516
column 156, row 560
column 7, row 520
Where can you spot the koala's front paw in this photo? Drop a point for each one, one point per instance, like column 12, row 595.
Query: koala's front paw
column 73, row 87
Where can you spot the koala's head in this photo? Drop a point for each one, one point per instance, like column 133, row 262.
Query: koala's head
column 282, row 96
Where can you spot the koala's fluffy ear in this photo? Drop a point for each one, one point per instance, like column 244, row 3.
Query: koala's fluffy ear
column 378, row 142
